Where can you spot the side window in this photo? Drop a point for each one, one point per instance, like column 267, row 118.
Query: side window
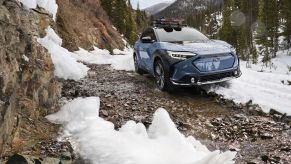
column 150, row 33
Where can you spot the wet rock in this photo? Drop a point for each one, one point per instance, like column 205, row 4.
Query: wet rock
column 234, row 147
column 265, row 158
column 265, row 136
column 27, row 159
column 17, row 159
column 66, row 156
column 104, row 113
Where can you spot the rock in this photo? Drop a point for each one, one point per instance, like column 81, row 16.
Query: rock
column 17, row 159
column 66, row 156
column 266, row 136
column 27, row 159
column 264, row 158
column 274, row 112
column 28, row 89
column 104, row 113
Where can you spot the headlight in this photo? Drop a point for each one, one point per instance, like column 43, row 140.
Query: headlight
column 181, row 55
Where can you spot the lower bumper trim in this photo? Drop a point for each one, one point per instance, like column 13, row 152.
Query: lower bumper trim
column 206, row 82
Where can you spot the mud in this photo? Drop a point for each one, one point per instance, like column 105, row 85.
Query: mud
column 217, row 123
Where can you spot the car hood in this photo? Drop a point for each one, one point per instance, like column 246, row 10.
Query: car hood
column 201, row 48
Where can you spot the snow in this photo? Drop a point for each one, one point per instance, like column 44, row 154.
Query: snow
column 66, row 67
column 49, row 5
column 97, row 141
column 120, row 60
column 148, row 3
column 25, row 58
column 265, row 86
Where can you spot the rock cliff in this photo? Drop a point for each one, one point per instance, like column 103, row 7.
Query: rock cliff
column 28, row 89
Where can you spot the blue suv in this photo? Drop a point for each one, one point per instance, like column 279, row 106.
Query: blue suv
column 177, row 55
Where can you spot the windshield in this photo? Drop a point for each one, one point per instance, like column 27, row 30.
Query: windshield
column 186, row 34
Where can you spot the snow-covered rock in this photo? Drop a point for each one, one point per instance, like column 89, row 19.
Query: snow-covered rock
column 97, row 140
column 49, row 5
column 66, row 67
column 120, row 60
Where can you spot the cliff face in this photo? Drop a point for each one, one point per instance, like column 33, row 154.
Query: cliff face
column 83, row 23
column 28, row 88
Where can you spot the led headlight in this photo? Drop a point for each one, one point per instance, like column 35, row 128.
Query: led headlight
column 181, row 55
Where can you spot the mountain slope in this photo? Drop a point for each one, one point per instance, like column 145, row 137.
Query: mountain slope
column 182, row 8
column 157, row 8
column 90, row 26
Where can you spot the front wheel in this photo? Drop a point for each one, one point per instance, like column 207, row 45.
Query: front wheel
column 162, row 76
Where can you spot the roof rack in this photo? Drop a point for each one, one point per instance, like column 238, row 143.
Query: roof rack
column 169, row 23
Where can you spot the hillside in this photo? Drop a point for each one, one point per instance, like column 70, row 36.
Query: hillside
column 183, row 8
column 157, row 8
column 85, row 24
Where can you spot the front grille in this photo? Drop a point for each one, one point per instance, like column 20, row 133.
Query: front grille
column 216, row 76
column 214, row 62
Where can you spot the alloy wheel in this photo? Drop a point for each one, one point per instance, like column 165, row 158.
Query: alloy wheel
column 160, row 75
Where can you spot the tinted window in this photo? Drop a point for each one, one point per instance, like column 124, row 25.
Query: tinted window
column 186, row 34
column 150, row 33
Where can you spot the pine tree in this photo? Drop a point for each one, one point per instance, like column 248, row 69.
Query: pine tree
column 131, row 29
column 227, row 33
column 267, row 32
column 107, row 6
column 286, row 14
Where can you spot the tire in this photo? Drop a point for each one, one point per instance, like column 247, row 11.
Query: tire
column 136, row 66
column 162, row 76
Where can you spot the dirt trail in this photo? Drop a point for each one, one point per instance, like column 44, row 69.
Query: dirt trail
column 257, row 137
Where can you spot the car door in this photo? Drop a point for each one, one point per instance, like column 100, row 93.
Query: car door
column 145, row 48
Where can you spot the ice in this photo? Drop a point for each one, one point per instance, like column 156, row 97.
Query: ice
column 265, row 86
column 49, row 5
column 66, row 67
column 120, row 60
column 97, row 141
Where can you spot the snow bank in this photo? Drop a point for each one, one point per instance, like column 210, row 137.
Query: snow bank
column 121, row 60
column 49, row 5
column 66, row 67
column 96, row 140
column 264, row 88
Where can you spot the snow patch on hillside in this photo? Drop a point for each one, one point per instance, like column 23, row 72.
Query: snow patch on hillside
column 266, row 86
column 49, row 5
column 97, row 140
column 120, row 60
column 66, row 67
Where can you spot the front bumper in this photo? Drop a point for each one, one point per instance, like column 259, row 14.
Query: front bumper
column 185, row 73
column 197, row 81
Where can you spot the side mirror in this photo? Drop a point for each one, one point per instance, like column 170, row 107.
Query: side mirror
column 147, row 39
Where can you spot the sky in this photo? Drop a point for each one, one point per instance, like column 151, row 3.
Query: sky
column 146, row 3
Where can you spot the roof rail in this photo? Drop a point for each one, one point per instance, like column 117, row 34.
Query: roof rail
column 169, row 23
